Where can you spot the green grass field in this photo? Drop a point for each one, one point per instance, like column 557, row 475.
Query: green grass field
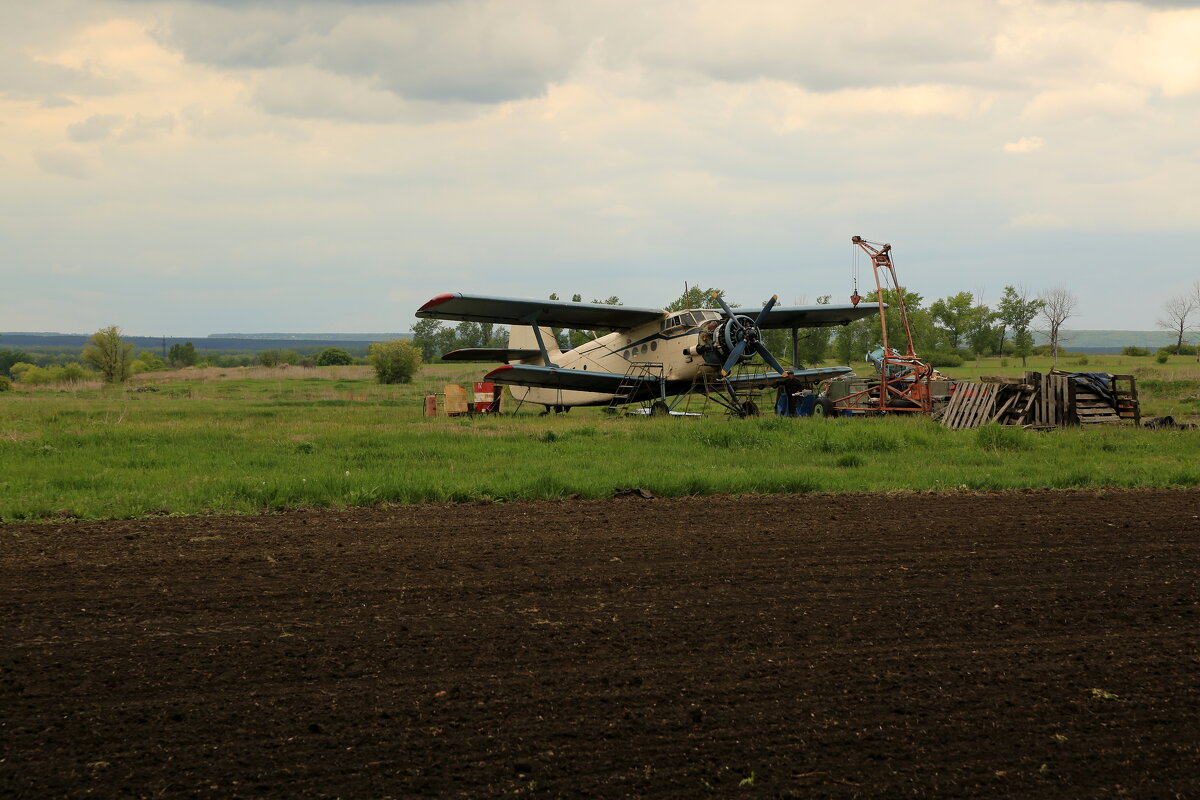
column 244, row 441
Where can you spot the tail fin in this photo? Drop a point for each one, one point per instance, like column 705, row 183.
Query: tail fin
column 521, row 337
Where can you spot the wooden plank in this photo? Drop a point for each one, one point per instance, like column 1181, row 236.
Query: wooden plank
column 954, row 407
column 1005, row 407
column 1045, row 416
column 1068, row 388
column 1029, row 397
column 987, row 402
column 968, row 404
column 965, row 395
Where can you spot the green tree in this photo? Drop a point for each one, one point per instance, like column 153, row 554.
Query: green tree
column 334, row 357
column 109, row 354
column 982, row 333
column 954, row 314
column 182, row 355
column 426, row 336
column 10, row 357
column 1017, row 312
column 695, row 297
column 395, row 361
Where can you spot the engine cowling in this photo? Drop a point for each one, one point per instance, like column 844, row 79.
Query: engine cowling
column 729, row 333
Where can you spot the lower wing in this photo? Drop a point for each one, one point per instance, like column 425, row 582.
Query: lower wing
column 618, row 383
column 802, row 378
column 579, row 380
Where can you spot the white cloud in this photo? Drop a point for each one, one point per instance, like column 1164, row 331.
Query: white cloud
column 1026, row 144
column 315, row 148
column 94, row 128
column 1101, row 100
column 65, row 163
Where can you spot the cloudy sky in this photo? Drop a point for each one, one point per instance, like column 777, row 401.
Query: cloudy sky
column 185, row 168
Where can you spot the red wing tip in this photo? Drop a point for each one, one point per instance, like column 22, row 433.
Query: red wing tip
column 498, row 370
column 437, row 301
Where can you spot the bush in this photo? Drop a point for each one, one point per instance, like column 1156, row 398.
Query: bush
column 18, row 370
column 334, row 357
column 1082, row 361
column 39, row 376
column 5, row 383
column 1138, row 352
column 943, row 358
column 395, row 361
column 69, row 373
column 273, row 358
column 1162, row 357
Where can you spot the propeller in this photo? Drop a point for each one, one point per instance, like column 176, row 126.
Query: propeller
column 750, row 338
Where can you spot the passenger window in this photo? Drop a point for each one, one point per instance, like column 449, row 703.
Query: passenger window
column 654, row 345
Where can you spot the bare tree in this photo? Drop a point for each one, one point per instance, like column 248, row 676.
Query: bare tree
column 1058, row 305
column 1176, row 313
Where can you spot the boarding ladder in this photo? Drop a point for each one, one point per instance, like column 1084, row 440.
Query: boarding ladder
column 634, row 384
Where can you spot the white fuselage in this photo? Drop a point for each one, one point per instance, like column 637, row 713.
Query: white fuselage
column 669, row 343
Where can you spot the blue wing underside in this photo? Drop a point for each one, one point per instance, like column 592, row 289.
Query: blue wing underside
column 534, row 376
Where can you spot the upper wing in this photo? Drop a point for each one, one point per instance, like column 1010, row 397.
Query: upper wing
column 806, row 377
column 571, row 379
column 815, row 316
column 554, row 313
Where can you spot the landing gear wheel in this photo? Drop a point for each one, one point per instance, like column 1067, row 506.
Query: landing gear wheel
column 749, row 409
column 823, row 408
column 659, row 409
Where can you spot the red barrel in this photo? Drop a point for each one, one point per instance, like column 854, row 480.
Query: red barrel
column 485, row 397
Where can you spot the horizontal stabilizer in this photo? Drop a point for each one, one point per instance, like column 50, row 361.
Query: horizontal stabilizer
column 505, row 354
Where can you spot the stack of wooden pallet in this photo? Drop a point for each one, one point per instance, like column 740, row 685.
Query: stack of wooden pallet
column 1039, row 400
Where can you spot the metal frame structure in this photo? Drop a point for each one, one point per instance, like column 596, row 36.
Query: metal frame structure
column 903, row 378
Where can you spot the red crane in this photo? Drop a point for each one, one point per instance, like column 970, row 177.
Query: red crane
column 903, row 378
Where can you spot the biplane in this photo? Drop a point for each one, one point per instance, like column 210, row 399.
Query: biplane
column 648, row 355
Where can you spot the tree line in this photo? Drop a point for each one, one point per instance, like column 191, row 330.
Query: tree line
column 109, row 358
column 947, row 331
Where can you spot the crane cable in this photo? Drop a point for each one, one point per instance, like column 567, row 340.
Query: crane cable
column 854, row 271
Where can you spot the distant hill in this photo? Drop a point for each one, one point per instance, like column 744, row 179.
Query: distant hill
column 229, row 343
column 314, row 337
column 1110, row 341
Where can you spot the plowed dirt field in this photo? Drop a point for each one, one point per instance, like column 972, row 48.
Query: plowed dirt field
column 1033, row 644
